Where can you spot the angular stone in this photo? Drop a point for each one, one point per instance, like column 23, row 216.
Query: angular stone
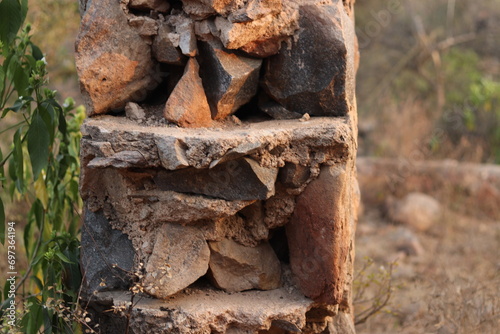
column 184, row 28
column 242, row 179
column 263, row 48
column 161, row 6
column 316, row 74
column 112, row 74
column 187, row 106
column 172, row 153
column 319, row 236
column 230, row 81
column 256, row 9
column 237, row 35
column 134, row 111
column 180, row 256
column 235, row 268
column 165, row 46
column 146, row 26
column 107, row 255
column 293, row 175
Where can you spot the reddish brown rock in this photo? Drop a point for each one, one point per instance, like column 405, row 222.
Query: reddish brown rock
column 319, row 236
column 187, row 106
column 235, row 268
column 180, row 256
column 230, row 80
column 161, row 6
column 112, row 74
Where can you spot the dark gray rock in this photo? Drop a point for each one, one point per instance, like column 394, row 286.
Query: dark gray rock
column 277, row 111
column 312, row 76
column 165, row 46
column 242, row 179
column 161, row 6
column 230, row 80
column 107, row 255
column 293, row 175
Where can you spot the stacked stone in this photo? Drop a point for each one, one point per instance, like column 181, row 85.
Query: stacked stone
column 256, row 215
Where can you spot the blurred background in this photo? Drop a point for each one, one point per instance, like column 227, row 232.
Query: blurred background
column 428, row 90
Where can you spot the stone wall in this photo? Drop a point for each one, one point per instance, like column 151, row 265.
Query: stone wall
column 218, row 165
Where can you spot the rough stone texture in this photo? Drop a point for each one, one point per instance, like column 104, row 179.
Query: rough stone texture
column 134, row 112
column 235, row 268
column 293, row 175
column 165, row 46
column 319, row 235
column 230, row 80
column 107, row 256
column 416, row 210
column 161, row 6
column 112, row 74
column 180, row 256
column 277, row 111
column 307, row 143
column 184, row 28
column 187, row 106
column 210, row 311
column 316, row 74
column 242, row 179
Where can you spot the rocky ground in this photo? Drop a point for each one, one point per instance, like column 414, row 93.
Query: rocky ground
column 447, row 273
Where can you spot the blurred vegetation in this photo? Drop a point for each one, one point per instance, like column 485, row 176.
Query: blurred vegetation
column 429, row 79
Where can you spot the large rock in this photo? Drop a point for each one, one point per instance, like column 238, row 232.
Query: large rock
column 235, row 268
column 319, row 235
column 187, row 106
column 242, row 179
column 112, row 73
column 107, row 255
column 315, row 74
column 416, row 210
column 180, row 256
column 230, row 80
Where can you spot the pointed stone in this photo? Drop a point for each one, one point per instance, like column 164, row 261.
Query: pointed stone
column 112, row 74
column 316, row 74
column 180, row 256
column 229, row 80
column 187, row 106
column 319, row 236
column 242, row 179
column 235, row 268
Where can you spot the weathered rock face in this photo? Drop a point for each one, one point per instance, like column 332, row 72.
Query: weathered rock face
column 319, row 235
column 187, row 106
column 312, row 75
column 235, row 268
column 180, row 256
column 113, row 61
column 216, row 185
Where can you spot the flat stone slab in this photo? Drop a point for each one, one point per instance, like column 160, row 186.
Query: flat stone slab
column 211, row 311
column 271, row 143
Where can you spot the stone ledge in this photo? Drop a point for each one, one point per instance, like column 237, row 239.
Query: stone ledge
column 205, row 310
column 120, row 143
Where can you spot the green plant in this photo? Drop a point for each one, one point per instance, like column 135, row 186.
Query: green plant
column 39, row 169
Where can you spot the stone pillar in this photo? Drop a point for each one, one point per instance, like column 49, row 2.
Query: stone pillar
column 218, row 165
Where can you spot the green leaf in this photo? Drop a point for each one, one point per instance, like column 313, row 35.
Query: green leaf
column 2, row 84
column 36, row 52
column 38, row 144
column 20, row 77
column 63, row 257
column 12, row 15
column 18, row 161
column 2, row 222
column 38, row 211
